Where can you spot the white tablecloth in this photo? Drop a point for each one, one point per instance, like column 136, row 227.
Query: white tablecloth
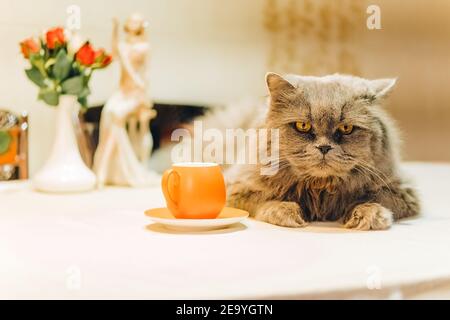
column 100, row 245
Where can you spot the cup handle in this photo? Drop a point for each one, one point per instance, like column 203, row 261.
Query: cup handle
column 165, row 187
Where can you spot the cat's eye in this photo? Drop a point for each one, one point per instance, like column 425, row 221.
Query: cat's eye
column 346, row 129
column 303, row 127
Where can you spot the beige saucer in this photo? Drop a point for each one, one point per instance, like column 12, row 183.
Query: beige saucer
column 228, row 217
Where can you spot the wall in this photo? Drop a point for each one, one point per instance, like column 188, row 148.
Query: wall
column 414, row 46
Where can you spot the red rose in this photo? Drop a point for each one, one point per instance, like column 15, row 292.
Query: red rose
column 55, row 37
column 86, row 55
column 28, row 47
column 107, row 61
column 102, row 58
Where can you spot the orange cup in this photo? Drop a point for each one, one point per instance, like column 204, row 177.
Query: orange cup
column 194, row 190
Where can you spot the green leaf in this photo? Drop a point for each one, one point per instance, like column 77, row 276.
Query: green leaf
column 62, row 66
column 82, row 97
column 5, row 141
column 83, row 102
column 86, row 92
column 37, row 61
column 36, row 77
column 49, row 96
column 74, row 86
column 50, row 62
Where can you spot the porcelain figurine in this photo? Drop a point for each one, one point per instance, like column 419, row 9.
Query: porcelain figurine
column 125, row 141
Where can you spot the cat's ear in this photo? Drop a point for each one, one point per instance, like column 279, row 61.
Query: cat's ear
column 382, row 87
column 277, row 85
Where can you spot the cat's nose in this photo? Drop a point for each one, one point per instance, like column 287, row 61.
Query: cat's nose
column 325, row 149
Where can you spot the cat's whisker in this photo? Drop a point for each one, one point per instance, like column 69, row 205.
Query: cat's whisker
column 375, row 175
column 372, row 170
column 375, row 169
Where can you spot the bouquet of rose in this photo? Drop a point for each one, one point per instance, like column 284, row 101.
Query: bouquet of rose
column 58, row 69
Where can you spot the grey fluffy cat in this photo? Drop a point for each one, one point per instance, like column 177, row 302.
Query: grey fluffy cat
column 338, row 157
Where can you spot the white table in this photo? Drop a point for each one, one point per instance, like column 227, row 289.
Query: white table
column 100, row 245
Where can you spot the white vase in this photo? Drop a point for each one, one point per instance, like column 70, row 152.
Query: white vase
column 65, row 171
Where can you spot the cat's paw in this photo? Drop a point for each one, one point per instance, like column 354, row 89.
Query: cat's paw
column 283, row 214
column 370, row 216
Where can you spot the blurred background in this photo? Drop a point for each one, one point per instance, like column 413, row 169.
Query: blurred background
column 212, row 52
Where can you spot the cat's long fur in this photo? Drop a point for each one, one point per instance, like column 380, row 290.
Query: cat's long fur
column 357, row 183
